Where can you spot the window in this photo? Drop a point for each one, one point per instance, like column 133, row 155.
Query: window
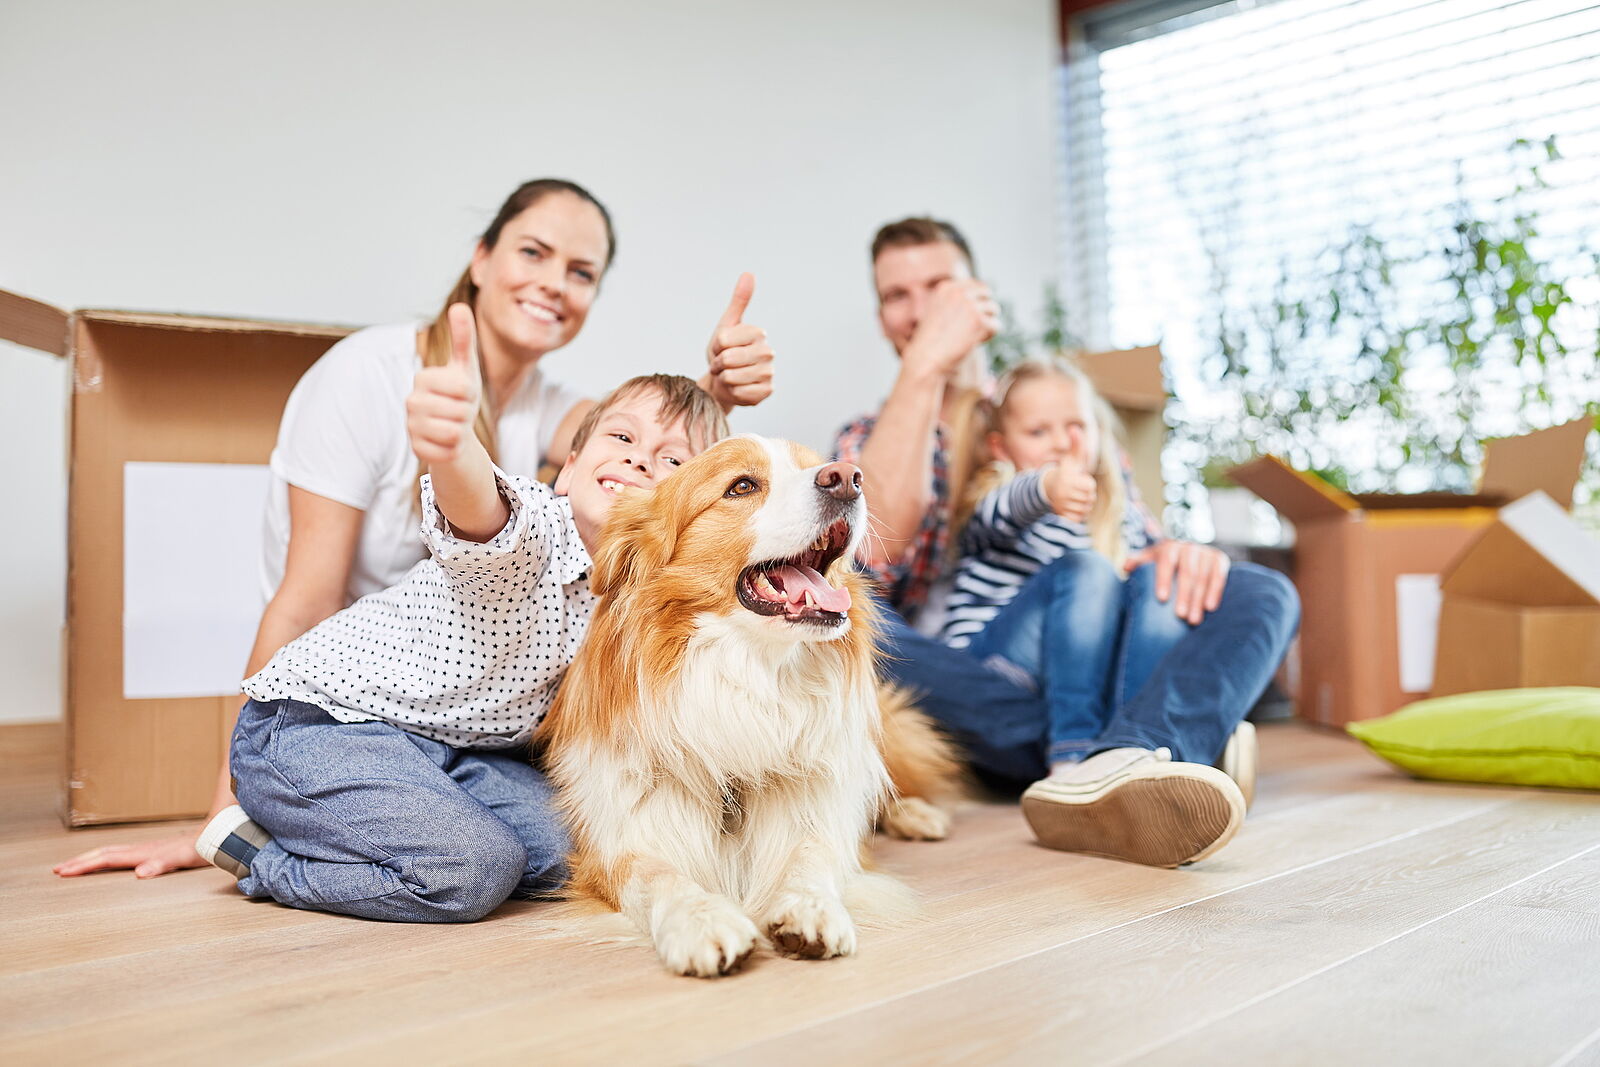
column 1219, row 159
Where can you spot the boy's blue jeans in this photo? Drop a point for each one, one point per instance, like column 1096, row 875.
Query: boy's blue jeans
column 1082, row 661
column 369, row 820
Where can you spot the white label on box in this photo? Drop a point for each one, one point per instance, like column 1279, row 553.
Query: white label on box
column 191, row 576
column 1416, row 598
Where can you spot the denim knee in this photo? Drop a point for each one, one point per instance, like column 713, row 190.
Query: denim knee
column 1088, row 579
column 1271, row 597
column 546, row 866
column 472, row 879
column 1157, row 619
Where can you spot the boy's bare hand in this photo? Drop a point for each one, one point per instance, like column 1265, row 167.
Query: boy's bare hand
column 1068, row 485
column 444, row 400
column 147, row 859
column 961, row 315
column 739, row 355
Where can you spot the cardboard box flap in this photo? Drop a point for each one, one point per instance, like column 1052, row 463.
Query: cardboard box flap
column 1545, row 460
column 1534, row 555
column 211, row 324
column 1298, row 496
column 1130, row 378
column 33, row 324
column 1425, row 501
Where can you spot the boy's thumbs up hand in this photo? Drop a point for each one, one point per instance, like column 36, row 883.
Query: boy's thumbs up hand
column 1068, row 483
column 444, row 400
column 739, row 356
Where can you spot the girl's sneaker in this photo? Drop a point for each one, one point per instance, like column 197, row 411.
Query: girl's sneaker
column 1137, row 805
column 230, row 841
column 1238, row 760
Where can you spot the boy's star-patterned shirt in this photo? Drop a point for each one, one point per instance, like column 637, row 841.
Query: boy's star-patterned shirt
column 470, row 646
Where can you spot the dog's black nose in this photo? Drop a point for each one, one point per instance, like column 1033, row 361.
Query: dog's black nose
column 840, row 480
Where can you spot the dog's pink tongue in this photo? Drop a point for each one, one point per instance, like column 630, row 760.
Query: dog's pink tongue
column 797, row 581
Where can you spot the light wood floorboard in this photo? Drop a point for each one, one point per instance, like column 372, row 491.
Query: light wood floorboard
column 1360, row 917
column 1439, row 970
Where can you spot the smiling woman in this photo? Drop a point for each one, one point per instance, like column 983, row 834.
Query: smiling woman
column 342, row 514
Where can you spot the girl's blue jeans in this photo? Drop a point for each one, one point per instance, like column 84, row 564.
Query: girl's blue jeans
column 1082, row 661
column 370, row 820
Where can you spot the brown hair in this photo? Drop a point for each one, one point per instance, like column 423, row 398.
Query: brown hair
column 965, row 424
column 920, row 230
column 681, row 398
column 436, row 337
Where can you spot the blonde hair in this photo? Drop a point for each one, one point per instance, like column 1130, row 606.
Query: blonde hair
column 1111, row 497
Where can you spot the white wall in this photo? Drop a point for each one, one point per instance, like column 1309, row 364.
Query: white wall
column 333, row 162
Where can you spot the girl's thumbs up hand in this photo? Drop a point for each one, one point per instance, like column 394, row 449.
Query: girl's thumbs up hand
column 1069, row 485
column 444, row 400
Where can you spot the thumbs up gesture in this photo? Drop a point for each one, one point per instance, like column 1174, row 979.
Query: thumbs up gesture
column 1068, row 483
column 444, row 400
column 739, row 356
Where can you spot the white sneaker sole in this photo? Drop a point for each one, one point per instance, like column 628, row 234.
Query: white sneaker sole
column 1160, row 814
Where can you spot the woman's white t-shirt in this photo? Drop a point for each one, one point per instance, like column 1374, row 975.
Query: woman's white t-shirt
column 343, row 436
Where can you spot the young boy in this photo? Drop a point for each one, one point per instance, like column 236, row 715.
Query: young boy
column 381, row 763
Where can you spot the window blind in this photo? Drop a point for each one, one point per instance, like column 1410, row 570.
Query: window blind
column 1216, row 154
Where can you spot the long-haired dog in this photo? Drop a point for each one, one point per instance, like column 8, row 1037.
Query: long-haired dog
column 720, row 745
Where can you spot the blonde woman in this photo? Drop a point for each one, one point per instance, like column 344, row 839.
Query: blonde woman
column 342, row 516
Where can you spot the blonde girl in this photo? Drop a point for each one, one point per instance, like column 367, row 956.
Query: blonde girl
column 1047, row 411
column 1063, row 589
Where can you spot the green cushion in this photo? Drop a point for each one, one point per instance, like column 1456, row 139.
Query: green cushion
column 1516, row 736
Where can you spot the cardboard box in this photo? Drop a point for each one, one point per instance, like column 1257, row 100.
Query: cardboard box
column 1521, row 605
column 1132, row 384
column 148, row 388
column 1367, row 567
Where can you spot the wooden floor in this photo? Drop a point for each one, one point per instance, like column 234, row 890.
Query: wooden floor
column 1359, row 918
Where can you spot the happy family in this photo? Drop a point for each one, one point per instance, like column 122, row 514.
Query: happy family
column 982, row 540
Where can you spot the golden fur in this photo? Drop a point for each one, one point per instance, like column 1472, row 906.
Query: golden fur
column 719, row 768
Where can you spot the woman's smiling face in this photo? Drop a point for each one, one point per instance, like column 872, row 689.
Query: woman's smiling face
column 536, row 284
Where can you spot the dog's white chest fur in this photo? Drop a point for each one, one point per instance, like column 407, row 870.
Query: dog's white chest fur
column 755, row 707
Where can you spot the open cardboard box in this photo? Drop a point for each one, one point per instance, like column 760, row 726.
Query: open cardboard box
column 1367, row 567
column 1521, row 605
column 1131, row 382
column 148, row 388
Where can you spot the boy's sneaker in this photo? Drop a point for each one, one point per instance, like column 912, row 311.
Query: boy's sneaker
column 1238, row 760
column 230, row 841
column 1137, row 805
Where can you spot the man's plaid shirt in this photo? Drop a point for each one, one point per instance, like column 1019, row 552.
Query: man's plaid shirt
column 906, row 582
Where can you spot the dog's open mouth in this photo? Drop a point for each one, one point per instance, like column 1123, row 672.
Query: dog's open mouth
column 795, row 588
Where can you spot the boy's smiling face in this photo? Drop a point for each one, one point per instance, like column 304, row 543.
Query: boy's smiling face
column 628, row 447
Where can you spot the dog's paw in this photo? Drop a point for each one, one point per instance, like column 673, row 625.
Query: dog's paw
column 811, row 927
column 914, row 819
column 706, row 937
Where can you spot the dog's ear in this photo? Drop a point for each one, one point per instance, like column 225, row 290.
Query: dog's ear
column 638, row 540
